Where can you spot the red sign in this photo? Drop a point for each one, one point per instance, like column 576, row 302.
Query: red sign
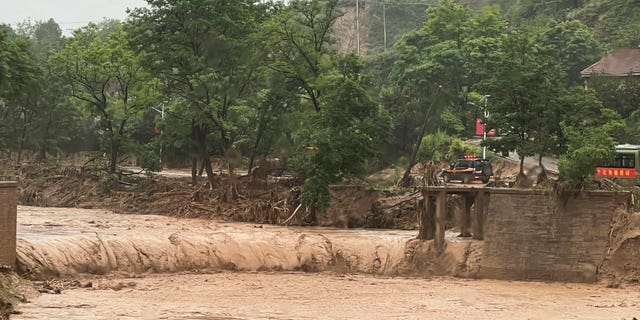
column 615, row 172
column 479, row 127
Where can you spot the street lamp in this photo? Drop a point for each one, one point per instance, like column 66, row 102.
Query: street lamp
column 160, row 109
column 484, row 124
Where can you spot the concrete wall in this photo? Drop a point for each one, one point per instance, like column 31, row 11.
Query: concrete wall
column 532, row 235
column 8, row 206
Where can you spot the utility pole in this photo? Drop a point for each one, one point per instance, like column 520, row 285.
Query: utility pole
column 484, row 124
column 384, row 23
column 160, row 109
column 358, row 27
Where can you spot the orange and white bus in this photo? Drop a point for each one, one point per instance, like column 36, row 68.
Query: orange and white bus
column 625, row 168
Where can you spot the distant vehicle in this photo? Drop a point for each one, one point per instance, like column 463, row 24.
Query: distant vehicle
column 625, row 167
column 469, row 169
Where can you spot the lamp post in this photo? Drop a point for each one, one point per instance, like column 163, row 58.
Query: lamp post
column 160, row 109
column 484, row 124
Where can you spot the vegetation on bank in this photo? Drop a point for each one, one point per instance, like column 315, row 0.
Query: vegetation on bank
column 179, row 81
column 7, row 298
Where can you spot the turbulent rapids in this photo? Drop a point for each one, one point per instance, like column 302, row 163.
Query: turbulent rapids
column 155, row 267
column 63, row 243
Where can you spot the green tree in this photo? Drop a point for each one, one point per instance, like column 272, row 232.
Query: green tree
column 275, row 118
column 615, row 23
column 207, row 59
column 619, row 93
column 534, row 89
column 342, row 136
column 393, row 19
column 53, row 123
column 341, row 126
column 107, row 80
column 570, row 47
column 299, row 44
column 590, row 141
column 433, row 147
column 523, row 88
column 557, row 9
column 456, row 49
column 19, row 72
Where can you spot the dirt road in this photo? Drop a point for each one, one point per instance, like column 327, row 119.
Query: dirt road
column 153, row 267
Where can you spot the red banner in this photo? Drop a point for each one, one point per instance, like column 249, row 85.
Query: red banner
column 615, row 172
column 479, row 127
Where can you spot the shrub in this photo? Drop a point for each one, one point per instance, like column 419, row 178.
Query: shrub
column 459, row 149
column 433, row 147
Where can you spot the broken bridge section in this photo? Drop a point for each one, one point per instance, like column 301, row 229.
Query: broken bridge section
column 433, row 212
column 8, row 212
column 529, row 234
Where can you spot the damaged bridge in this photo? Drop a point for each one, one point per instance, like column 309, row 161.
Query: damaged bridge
column 530, row 234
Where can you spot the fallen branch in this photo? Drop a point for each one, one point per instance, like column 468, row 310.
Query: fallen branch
column 202, row 208
column 293, row 214
column 406, row 198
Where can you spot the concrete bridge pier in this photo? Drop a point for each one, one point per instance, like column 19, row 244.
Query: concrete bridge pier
column 481, row 208
column 465, row 216
column 8, row 213
column 433, row 213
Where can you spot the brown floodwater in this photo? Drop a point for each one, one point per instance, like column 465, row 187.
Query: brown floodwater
column 239, row 295
column 155, row 267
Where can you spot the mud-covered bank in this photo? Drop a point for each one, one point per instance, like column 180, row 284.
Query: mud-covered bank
column 256, row 199
column 6, row 297
column 13, row 290
column 66, row 243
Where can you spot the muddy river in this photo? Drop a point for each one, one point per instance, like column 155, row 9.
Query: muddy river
column 153, row 267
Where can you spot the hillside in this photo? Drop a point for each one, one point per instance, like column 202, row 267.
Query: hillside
column 614, row 23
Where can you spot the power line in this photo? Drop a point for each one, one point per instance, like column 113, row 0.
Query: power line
column 400, row 3
column 358, row 27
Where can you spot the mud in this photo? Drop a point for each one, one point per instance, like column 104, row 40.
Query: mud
column 622, row 264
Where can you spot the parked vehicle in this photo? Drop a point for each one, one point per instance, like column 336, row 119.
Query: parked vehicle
column 625, row 168
column 469, row 169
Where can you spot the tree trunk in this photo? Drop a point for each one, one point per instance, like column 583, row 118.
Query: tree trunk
column 254, row 151
column 23, row 136
column 209, row 170
column 543, row 171
column 312, row 217
column 114, row 157
column 194, row 155
column 406, row 177
column 194, row 171
column 201, row 136
column 19, row 151
column 201, row 170
column 430, row 175
column 521, row 179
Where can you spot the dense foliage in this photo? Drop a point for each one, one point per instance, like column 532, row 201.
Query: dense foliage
column 248, row 80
